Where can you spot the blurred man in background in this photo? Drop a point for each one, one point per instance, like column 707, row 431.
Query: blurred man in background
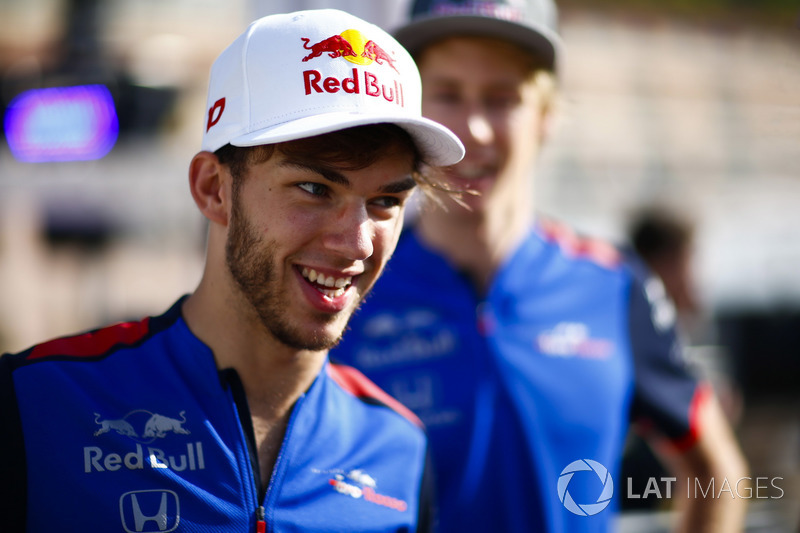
column 224, row 413
column 665, row 242
column 526, row 349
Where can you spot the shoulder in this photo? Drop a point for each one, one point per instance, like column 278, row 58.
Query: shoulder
column 95, row 344
column 356, row 384
column 577, row 247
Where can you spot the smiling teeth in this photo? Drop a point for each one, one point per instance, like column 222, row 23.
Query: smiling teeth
column 333, row 294
column 320, row 279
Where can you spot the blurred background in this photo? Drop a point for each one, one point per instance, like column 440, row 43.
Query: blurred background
column 690, row 107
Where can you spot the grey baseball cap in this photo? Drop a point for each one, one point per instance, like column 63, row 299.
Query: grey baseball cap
column 530, row 24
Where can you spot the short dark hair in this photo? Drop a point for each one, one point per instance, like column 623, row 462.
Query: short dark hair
column 657, row 233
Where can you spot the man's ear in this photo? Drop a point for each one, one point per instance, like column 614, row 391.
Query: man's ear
column 210, row 185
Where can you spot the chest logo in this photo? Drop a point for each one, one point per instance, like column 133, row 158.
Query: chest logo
column 150, row 425
column 573, row 339
column 147, row 511
column 359, row 485
column 144, row 427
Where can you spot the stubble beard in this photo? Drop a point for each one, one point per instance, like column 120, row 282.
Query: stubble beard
column 251, row 262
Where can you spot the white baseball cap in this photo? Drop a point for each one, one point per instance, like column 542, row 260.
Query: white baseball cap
column 307, row 73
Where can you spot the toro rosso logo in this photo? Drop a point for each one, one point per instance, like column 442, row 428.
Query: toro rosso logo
column 359, row 485
column 354, row 47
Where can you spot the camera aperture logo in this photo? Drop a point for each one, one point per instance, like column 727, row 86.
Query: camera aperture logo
column 585, row 465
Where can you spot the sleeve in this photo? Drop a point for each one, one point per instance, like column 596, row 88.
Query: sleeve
column 667, row 393
column 13, row 476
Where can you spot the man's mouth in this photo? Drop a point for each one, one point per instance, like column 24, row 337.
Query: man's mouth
column 327, row 285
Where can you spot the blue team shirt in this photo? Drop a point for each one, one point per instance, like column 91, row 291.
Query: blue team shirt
column 527, row 393
column 133, row 428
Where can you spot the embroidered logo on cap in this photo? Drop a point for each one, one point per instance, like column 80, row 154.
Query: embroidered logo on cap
column 215, row 112
column 351, row 45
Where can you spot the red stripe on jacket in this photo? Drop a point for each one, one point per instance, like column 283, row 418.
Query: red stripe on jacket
column 701, row 396
column 93, row 343
column 574, row 245
column 357, row 384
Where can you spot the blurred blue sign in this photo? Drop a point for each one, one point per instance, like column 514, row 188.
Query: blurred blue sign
column 62, row 124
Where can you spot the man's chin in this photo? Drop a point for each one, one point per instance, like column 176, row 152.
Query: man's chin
column 321, row 338
column 312, row 331
column 309, row 343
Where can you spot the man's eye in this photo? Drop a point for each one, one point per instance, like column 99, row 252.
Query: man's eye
column 316, row 189
column 387, row 201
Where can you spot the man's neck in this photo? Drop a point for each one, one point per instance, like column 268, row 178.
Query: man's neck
column 273, row 375
column 476, row 243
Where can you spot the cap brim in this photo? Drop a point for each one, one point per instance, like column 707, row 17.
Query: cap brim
column 438, row 145
column 537, row 39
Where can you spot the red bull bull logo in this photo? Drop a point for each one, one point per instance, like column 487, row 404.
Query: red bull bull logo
column 351, row 45
column 354, row 47
column 336, row 46
column 143, row 427
column 375, row 53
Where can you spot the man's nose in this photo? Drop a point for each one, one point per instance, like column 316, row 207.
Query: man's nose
column 479, row 128
column 350, row 232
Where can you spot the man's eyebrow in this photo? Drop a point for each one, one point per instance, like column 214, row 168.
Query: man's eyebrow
column 402, row 185
column 327, row 173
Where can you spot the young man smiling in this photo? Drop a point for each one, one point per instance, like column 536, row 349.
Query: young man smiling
column 525, row 349
column 224, row 413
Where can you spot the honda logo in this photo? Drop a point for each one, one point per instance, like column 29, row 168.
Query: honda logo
column 148, row 511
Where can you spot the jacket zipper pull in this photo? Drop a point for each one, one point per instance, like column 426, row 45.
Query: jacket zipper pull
column 261, row 524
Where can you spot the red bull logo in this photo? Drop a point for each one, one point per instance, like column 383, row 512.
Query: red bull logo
column 375, row 53
column 151, row 426
column 336, row 46
column 156, row 426
column 354, row 47
column 351, row 45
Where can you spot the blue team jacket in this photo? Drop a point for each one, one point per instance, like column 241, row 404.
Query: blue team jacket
column 527, row 392
column 133, row 428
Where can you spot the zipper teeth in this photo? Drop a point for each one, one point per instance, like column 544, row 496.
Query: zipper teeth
column 231, row 377
column 246, row 425
column 280, row 466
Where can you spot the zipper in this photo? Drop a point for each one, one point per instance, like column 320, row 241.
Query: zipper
column 280, row 461
column 231, row 377
column 261, row 524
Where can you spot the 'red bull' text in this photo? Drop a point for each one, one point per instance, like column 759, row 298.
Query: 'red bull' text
column 94, row 460
column 314, row 82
